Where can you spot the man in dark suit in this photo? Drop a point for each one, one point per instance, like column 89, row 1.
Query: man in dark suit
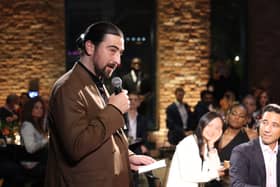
column 178, row 118
column 203, row 106
column 136, row 80
column 257, row 163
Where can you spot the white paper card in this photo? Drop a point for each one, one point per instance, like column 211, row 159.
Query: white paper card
column 155, row 165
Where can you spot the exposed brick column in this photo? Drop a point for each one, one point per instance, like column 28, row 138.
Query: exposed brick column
column 183, row 52
column 32, row 44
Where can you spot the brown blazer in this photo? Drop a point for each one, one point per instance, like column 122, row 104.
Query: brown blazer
column 83, row 130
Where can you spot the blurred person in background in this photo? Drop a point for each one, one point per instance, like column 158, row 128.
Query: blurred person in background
column 262, row 100
column 178, row 118
column 226, row 102
column 250, row 103
column 35, row 138
column 134, row 81
column 8, row 111
column 205, row 105
column 23, row 98
column 136, row 124
column 137, row 131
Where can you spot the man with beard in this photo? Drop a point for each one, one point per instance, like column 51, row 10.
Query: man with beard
column 87, row 145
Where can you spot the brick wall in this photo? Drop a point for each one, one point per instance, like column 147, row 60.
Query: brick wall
column 32, row 44
column 183, row 50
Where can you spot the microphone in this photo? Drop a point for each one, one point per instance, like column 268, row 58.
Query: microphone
column 117, row 84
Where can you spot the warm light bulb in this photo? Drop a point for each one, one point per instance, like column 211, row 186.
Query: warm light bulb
column 236, row 58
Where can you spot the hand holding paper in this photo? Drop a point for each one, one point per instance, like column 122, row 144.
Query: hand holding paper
column 139, row 160
column 155, row 165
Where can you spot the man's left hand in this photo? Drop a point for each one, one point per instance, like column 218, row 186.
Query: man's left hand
column 139, row 160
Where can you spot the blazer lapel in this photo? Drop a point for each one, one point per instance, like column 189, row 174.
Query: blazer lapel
column 260, row 159
column 138, row 126
column 176, row 109
column 278, row 166
column 95, row 95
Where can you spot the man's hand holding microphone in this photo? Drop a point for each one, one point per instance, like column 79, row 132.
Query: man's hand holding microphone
column 120, row 98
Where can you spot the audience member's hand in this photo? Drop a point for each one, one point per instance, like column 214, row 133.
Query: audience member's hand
column 211, row 142
column 221, row 171
column 11, row 118
column 140, row 160
column 120, row 101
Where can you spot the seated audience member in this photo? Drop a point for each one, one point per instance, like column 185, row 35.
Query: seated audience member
column 34, row 137
column 178, row 118
column 8, row 111
column 235, row 132
column 256, row 163
column 226, row 102
column 249, row 102
column 255, row 91
column 262, row 101
column 136, row 126
column 23, row 98
column 203, row 106
column 136, row 132
column 196, row 159
column 138, row 81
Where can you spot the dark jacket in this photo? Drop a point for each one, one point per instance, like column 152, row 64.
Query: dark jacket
column 141, row 132
column 175, row 124
column 248, row 167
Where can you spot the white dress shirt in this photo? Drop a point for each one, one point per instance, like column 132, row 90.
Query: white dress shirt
column 132, row 129
column 270, row 160
column 183, row 113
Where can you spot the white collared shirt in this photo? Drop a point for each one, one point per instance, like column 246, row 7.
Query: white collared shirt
column 132, row 128
column 183, row 113
column 136, row 80
column 270, row 160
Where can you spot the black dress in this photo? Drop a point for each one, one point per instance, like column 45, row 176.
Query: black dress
column 240, row 138
column 225, row 153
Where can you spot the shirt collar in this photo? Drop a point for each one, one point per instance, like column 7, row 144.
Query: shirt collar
column 178, row 103
column 98, row 81
column 266, row 148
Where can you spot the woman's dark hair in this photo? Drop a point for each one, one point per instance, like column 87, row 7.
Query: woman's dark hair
column 27, row 113
column 259, row 97
column 96, row 32
column 203, row 122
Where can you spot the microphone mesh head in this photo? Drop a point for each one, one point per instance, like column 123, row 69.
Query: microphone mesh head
column 117, row 82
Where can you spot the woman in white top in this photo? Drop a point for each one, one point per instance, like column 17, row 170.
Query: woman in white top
column 33, row 135
column 196, row 160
